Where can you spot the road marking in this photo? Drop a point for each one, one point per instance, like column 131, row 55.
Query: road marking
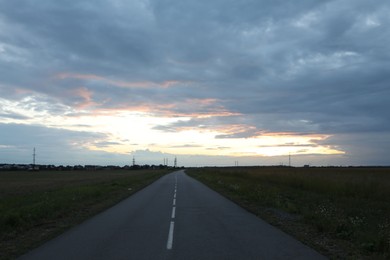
column 170, row 236
column 173, row 212
column 173, row 215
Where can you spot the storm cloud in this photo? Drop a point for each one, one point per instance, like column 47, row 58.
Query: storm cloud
column 251, row 67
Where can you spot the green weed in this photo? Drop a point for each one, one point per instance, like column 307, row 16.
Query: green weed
column 36, row 206
column 351, row 204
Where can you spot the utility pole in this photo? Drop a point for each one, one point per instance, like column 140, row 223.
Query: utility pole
column 289, row 159
column 33, row 168
column 34, row 157
column 175, row 163
column 133, row 161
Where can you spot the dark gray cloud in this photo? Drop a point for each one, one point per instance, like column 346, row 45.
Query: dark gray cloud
column 277, row 66
column 219, row 148
column 57, row 146
column 363, row 149
column 105, row 144
column 28, row 135
column 186, row 146
column 13, row 116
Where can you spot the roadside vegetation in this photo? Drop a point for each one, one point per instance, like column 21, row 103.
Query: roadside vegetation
column 342, row 212
column 36, row 206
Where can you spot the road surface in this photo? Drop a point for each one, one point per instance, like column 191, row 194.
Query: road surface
column 176, row 217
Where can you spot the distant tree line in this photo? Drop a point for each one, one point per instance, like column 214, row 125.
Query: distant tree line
column 41, row 167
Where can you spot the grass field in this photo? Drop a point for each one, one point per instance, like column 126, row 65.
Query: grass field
column 342, row 212
column 36, row 206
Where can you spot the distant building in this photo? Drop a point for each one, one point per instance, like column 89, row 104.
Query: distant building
column 33, row 168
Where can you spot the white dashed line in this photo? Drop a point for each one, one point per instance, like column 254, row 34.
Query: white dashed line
column 170, row 236
column 173, row 215
column 173, row 212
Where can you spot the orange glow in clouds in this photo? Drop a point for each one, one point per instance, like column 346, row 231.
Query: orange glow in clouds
column 86, row 95
column 163, row 127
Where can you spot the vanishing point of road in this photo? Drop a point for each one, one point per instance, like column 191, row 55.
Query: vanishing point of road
column 176, row 217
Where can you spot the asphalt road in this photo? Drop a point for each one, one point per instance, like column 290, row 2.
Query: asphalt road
column 176, row 217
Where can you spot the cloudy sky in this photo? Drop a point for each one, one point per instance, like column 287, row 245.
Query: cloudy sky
column 212, row 82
